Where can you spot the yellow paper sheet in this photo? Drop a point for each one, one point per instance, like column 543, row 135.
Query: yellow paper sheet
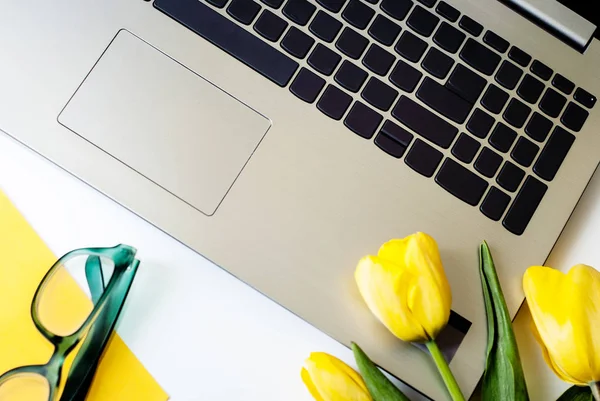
column 24, row 260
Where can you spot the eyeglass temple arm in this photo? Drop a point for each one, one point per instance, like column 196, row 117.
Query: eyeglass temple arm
column 84, row 366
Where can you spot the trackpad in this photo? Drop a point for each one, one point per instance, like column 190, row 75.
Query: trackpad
column 165, row 121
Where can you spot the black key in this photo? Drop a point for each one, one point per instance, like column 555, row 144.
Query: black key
column 444, row 100
column 384, row 30
column 362, row 120
column 494, row 204
column 541, row 70
column 332, row 5
column 351, row 43
column 465, row 148
column 218, row 3
column 334, row 102
column 538, row 127
column 527, row 201
column 516, row 113
column 410, row 47
column 405, row 76
column 519, row 56
column 508, row 75
column 297, row 43
column 480, row 123
column 243, row 11
column 479, row 57
column 423, row 158
column 530, row 89
column 448, row 37
column 273, row 3
column 307, row 85
column 424, row 122
column 422, row 21
column 574, row 117
column 554, row 153
column 378, row 60
column 470, row 25
column 325, row 27
column 524, row 152
column 552, row 102
column 437, row 63
column 358, row 14
column 487, row 162
column 379, row 94
column 494, row 99
column 563, row 84
column 299, row 11
column 231, row 38
column 496, row 42
column 447, row 11
column 396, row 8
column 460, row 182
column 466, row 83
column 393, row 139
column 502, row 137
column 585, row 98
column 350, row 76
column 389, row 145
column 510, row 177
column 428, row 3
column 270, row 26
column 323, row 60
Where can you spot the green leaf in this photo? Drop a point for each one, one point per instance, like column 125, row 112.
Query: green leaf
column 503, row 378
column 380, row 387
column 577, row 393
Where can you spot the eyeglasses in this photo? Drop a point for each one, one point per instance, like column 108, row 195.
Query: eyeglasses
column 105, row 275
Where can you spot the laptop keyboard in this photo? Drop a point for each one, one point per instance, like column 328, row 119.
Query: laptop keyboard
column 373, row 48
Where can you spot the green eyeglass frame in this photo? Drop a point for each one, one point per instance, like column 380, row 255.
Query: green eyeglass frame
column 97, row 328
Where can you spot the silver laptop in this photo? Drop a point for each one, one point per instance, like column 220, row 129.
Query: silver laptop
column 285, row 139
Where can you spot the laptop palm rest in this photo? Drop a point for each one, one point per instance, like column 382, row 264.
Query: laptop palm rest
column 164, row 121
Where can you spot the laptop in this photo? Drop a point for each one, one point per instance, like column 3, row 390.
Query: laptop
column 285, row 139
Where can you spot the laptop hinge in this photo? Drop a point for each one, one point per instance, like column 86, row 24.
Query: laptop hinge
column 556, row 18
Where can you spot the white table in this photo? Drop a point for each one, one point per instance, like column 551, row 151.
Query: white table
column 200, row 332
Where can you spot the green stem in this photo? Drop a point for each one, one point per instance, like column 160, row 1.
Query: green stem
column 445, row 371
column 595, row 386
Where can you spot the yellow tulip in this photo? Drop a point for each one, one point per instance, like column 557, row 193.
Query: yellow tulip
column 566, row 315
column 405, row 287
column 329, row 379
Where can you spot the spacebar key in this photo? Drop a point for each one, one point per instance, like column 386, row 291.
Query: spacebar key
column 424, row 122
column 231, row 38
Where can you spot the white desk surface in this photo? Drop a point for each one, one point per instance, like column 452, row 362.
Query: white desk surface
column 200, row 332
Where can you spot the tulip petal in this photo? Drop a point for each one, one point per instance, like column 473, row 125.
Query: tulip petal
column 342, row 367
column 384, row 286
column 565, row 309
column 418, row 253
column 555, row 368
column 334, row 380
column 310, row 385
column 429, row 306
column 430, row 298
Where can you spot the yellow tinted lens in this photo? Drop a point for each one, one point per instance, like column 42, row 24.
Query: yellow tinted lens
column 66, row 300
column 25, row 387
